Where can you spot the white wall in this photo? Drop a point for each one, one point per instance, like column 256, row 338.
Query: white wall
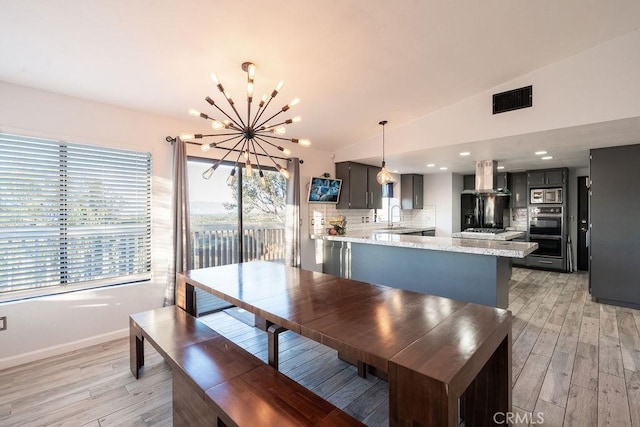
column 595, row 86
column 439, row 190
column 42, row 327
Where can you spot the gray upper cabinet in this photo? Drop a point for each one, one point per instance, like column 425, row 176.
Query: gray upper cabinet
column 469, row 182
column 411, row 191
column 503, row 180
column 360, row 189
column 518, row 190
column 546, row 177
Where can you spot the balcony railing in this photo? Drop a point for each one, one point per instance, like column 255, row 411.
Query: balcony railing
column 210, row 248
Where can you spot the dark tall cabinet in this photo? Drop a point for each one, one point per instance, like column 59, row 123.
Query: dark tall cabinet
column 614, row 241
column 412, row 191
column 360, row 189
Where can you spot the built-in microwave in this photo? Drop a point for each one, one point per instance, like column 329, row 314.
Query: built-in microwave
column 546, row 195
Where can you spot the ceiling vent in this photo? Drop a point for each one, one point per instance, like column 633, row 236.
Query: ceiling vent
column 513, row 100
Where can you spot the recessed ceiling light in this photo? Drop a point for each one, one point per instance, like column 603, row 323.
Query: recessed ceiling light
column 444, row 168
column 500, row 167
column 547, row 157
column 540, row 153
column 430, row 165
column 465, row 153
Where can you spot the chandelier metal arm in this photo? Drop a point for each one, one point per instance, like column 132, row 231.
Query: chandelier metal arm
column 268, row 142
column 229, row 152
column 277, row 137
column 269, row 155
column 212, row 103
column 282, row 110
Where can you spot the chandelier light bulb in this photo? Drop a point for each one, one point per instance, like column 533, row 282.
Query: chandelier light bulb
column 280, row 130
column 185, row 136
column 279, row 86
column 217, row 125
column 286, row 152
column 194, row 112
column 207, row 174
column 251, row 71
column 246, row 155
column 285, row 173
column 304, row 142
column 232, row 177
column 250, row 90
column 215, row 79
column 296, row 119
column 205, row 147
column 248, row 167
column 263, row 181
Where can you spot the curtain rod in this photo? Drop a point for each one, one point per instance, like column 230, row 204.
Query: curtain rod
column 171, row 140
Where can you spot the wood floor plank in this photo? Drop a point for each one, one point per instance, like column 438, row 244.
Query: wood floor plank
column 585, row 367
column 610, row 356
column 612, row 401
column 547, row 414
column 632, row 379
column 629, row 340
column 582, row 408
column 527, row 388
column 608, row 321
column 589, row 330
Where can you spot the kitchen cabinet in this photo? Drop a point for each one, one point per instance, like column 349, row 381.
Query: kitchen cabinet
column 360, row 189
column 613, row 230
column 503, row 181
column 469, row 182
column 518, row 190
column 411, row 191
column 546, row 177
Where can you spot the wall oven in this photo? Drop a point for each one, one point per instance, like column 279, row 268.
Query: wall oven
column 547, row 246
column 545, row 221
column 545, row 228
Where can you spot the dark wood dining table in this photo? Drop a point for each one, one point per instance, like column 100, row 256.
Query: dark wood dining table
column 445, row 360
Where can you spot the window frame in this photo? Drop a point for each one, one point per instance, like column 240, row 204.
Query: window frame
column 88, row 150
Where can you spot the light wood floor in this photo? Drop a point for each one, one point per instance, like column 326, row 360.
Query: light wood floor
column 574, row 361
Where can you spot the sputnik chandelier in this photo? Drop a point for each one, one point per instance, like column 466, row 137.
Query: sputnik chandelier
column 247, row 136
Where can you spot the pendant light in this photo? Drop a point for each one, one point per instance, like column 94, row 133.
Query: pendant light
column 383, row 177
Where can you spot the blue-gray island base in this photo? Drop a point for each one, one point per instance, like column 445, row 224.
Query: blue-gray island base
column 477, row 278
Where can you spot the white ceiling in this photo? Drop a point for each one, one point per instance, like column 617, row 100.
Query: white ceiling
column 352, row 63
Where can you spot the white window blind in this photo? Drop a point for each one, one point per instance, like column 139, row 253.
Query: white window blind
column 72, row 214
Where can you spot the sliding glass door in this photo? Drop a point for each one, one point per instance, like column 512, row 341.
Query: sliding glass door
column 235, row 221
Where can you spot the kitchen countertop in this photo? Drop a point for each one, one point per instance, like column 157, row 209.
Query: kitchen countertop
column 507, row 235
column 500, row 248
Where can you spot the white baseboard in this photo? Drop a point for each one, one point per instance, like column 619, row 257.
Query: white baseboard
column 20, row 359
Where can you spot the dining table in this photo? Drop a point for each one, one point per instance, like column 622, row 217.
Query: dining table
column 445, row 361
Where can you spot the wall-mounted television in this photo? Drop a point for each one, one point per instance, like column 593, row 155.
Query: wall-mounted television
column 324, row 190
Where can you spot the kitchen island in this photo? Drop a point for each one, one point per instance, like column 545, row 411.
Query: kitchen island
column 469, row 270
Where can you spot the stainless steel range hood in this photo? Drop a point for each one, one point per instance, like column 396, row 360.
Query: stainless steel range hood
column 487, row 179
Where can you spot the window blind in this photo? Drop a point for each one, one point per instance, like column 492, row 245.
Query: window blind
column 72, row 214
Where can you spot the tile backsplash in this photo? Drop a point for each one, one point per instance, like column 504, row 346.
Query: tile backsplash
column 518, row 218
column 368, row 219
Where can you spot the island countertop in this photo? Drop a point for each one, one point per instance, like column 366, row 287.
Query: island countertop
column 506, row 235
column 498, row 248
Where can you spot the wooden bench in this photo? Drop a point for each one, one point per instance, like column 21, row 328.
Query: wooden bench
column 216, row 382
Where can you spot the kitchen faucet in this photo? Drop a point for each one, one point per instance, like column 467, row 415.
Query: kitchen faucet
column 391, row 215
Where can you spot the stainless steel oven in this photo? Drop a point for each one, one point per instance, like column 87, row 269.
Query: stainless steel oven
column 545, row 220
column 547, row 246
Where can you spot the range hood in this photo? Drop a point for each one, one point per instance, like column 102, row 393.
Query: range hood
column 487, row 180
